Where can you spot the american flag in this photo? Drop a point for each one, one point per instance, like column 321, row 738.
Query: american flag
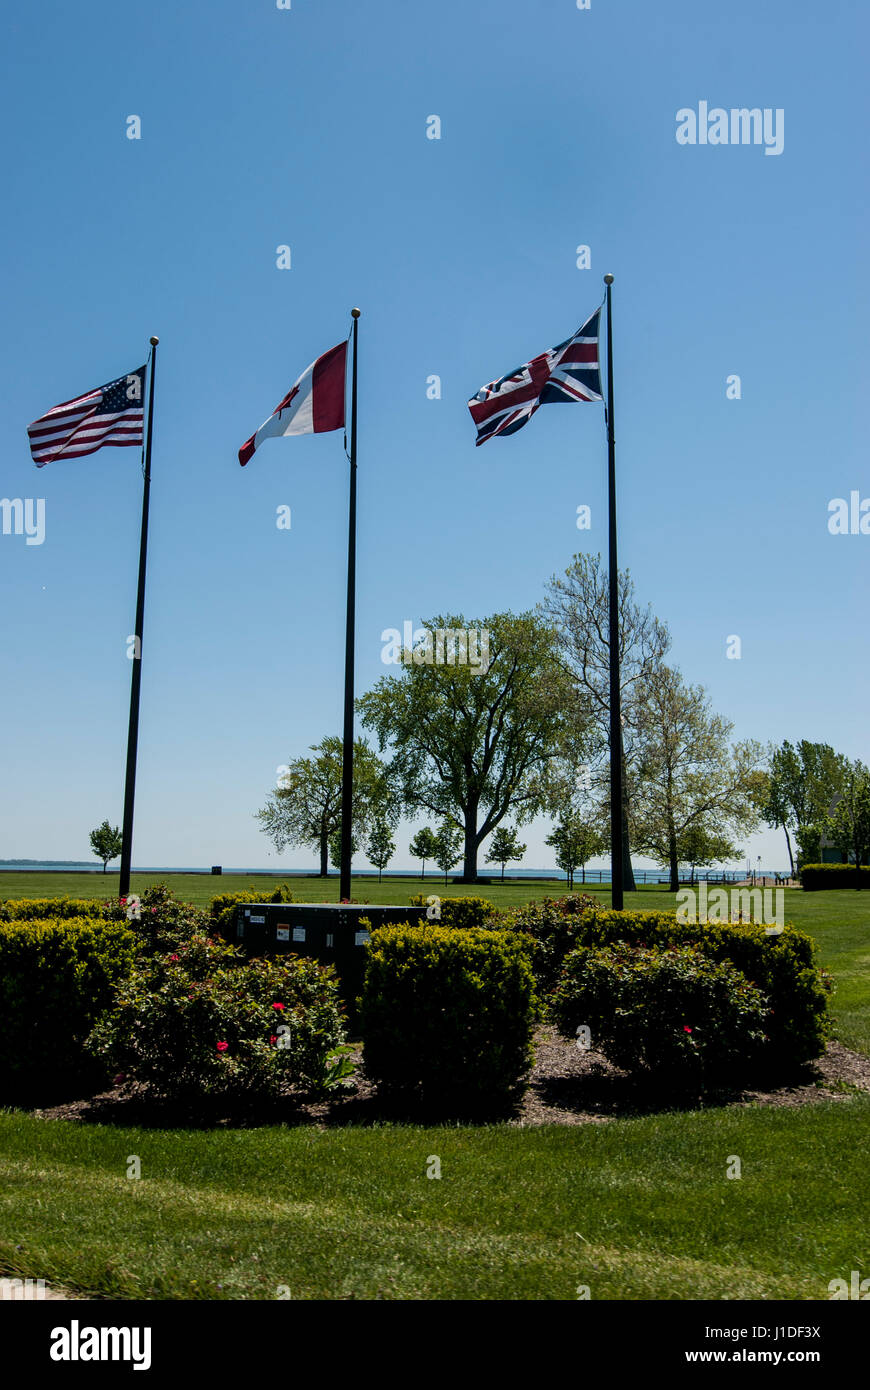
column 569, row 372
column 110, row 414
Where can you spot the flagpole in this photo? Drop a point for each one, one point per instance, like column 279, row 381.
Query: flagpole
column 616, row 828
column 347, row 740
column 133, row 727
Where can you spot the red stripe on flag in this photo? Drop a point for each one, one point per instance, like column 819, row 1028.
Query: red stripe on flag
column 328, row 389
column 246, row 453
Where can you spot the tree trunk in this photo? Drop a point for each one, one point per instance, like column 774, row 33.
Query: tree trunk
column 628, row 882
column 105, row 862
column 469, row 865
column 380, row 871
column 790, row 855
column 502, row 873
column 583, row 872
column 324, row 855
column 423, row 874
column 674, row 868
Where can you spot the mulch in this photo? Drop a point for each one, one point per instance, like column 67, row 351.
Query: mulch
column 567, row 1087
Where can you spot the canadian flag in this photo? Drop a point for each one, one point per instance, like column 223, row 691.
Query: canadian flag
column 314, row 403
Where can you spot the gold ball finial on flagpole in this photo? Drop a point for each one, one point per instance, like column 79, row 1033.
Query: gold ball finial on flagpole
column 608, row 279
column 154, row 341
column 355, row 313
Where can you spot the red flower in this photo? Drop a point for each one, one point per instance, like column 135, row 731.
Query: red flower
column 273, row 1037
column 222, row 1047
column 278, row 1006
column 173, row 957
column 123, row 900
column 154, row 909
column 685, row 1029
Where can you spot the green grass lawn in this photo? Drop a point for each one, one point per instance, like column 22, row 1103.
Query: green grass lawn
column 635, row 1209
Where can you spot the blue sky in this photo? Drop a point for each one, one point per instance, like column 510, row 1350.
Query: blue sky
column 263, row 127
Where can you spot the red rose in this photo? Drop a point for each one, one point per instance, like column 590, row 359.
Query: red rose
column 278, row 1006
column 222, row 1046
column 273, row 1037
column 685, row 1029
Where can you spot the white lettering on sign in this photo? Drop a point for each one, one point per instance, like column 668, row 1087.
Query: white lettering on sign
column 298, row 933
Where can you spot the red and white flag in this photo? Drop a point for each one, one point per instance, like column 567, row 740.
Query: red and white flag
column 313, row 405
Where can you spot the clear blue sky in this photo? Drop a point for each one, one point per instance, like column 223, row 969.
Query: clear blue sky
column 307, row 127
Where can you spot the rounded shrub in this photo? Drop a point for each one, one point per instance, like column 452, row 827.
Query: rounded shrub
column 57, row 976
column 195, row 1024
column 461, row 912
column 554, row 925
column 447, row 1016
column 670, row 1011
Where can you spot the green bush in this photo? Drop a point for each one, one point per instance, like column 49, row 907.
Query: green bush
column 57, row 976
column 447, row 1016
column 461, row 912
column 195, row 1025
column 223, row 906
column 782, row 966
column 671, row 1011
column 553, row 925
column 816, row 876
column 58, row 909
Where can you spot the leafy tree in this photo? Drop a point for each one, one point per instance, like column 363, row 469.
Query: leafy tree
column 849, row 826
column 106, row 842
column 305, row 808
column 422, row 847
column 700, row 848
column 578, row 605
column 335, row 847
column 803, row 781
column 473, row 743
column 689, row 775
column 504, row 847
column 448, row 844
column 381, row 846
column 576, row 840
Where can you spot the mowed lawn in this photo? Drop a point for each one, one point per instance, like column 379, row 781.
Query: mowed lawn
column 633, row 1209
column 838, row 920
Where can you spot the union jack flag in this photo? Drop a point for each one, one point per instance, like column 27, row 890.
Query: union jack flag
column 569, row 372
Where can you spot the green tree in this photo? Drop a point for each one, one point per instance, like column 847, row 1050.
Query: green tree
column 106, row 842
column 690, row 777
column 804, row 778
column 504, row 847
column 578, row 606
column 473, row 743
column 448, row 845
column 849, row 826
column 335, row 847
column 422, row 847
column 701, row 848
column 576, row 840
column 381, row 846
column 305, row 807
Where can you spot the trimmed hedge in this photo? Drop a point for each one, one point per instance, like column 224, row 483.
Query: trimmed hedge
column 447, row 1017
column 56, row 978
column 195, row 1025
column 671, row 1011
column 60, row 909
column 222, row 908
column 816, row 876
column 461, row 912
column 783, row 967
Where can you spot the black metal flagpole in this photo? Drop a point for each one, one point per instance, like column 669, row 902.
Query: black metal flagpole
column 616, row 839
column 347, row 741
column 133, row 727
